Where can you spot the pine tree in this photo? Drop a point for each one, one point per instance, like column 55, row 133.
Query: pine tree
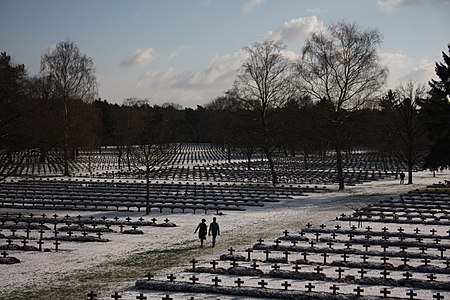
column 436, row 111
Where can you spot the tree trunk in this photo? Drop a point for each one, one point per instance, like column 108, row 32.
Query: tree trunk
column 338, row 147
column 128, row 158
column 305, row 160
column 119, row 158
column 66, row 161
column 147, row 185
column 273, row 173
column 339, row 168
column 249, row 160
column 66, row 136
column 410, row 172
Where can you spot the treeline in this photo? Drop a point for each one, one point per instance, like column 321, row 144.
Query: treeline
column 58, row 111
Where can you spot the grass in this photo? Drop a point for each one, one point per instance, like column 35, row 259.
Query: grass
column 120, row 274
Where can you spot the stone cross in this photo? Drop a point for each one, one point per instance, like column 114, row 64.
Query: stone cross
column 385, row 274
column 277, row 242
column 262, row 283
column 438, row 296
column 358, row 290
column 362, row 272
column 249, row 251
column 92, row 296
column 216, row 280
column 431, row 277
column 171, row 278
column 214, row 263
column 40, row 243
column 254, row 265
column 309, row 286
column 385, row 292
column 318, row 269
column 193, row 262
column 407, row 275
column 339, row 271
column 296, row 267
column 286, row 285
column 411, row 294
column 56, row 243
column 267, row 252
column 234, row 264
column 334, row 288
column 239, row 282
column 149, row 276
column 344, row 257
column 275, row 266
column 141, row 297
column 194, row 279
column 116, row 296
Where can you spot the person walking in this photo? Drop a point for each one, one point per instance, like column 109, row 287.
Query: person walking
column 202, row 229
column 402, row 178
column 214, row 230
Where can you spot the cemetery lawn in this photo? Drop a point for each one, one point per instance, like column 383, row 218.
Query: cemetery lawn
column 121, row 264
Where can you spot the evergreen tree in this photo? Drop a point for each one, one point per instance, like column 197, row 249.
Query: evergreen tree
column 436, row 111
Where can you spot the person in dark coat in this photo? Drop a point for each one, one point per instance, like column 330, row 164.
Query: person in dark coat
column 214, row 230
column 402, row 178
column 202, row 229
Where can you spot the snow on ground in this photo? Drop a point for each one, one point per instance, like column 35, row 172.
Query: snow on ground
column 39, row 269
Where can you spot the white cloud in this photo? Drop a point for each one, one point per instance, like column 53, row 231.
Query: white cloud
column 251, row 5
column 140, row 57
column 177, row 51
column 221, row 69
column 291, row 55
column 395, row 61
column 403, row 68
column 423, row 73
column 393, row 5
column 295, row 30
column 197, row 87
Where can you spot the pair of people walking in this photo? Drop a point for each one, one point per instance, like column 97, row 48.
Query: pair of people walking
column 202, row 229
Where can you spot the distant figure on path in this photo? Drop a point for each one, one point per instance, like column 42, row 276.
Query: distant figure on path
column 214, row 230
column 402, row 178
column 360, row 225
column 202, row 229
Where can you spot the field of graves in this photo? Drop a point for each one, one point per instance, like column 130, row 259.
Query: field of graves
column 87, row 236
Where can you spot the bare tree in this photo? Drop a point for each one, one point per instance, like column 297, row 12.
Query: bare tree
column 341, row 67
column 73, row 78
column 405, row 130
column 263, row 83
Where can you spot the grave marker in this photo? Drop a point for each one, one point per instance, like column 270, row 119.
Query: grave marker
column 239, row 282
column 216, row 280
column 141, row 297
column 358, row 290
column 286, row 285
column 92, row 296
column 309, row 286
column 262, row 283
column 385, row 292
column 334, row 288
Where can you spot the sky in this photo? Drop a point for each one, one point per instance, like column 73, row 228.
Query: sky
column 188, row 51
